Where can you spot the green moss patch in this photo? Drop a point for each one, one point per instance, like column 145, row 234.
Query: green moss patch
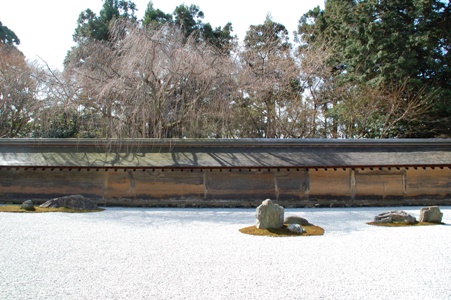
column 402, row 224
column 281, row 232
column 17, row 209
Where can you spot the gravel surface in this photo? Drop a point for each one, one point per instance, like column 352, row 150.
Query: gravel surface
column 138, row 253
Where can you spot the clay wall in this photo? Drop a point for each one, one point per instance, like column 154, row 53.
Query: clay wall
column 232, row 187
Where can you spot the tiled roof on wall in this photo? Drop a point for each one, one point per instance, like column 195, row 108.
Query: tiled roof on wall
column 224, row 153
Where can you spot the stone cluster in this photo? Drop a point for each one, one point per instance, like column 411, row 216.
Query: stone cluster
column 78, row 202
column 395, row 216
column 430, row 214
column 271, row 215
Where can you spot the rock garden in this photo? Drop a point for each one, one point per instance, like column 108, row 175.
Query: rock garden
column 270, row 221
column 270, row 217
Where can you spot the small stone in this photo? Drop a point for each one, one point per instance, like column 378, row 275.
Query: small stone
column 296, row 228
column 28, row 205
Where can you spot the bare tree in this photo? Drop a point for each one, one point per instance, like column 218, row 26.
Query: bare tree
column 377, row 112
column 154, row 83
column 17, row 92
column 57, row 113
column 320, row 91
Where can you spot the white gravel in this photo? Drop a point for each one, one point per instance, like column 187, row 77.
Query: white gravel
column 137, row 253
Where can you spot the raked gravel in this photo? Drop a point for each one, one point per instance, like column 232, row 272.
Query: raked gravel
column 156, row 253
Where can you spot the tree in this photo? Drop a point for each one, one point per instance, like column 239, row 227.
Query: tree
column 108, row 45
column 320, row 90
column 7, row 36
column 361, row 113
column 90, row 26
column 154, row 84
column 17, row 92
column 32, row 97
column 188, row 19
column 388, row 46
column 59, row 114
column 155, row 17
column 270, row 90
column 220, row 37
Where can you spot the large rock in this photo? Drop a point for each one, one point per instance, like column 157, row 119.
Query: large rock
column 28, row 205
column 296, row 220
column 78, row 202
column 395, row 216
column 431, row 214
column 269, row 215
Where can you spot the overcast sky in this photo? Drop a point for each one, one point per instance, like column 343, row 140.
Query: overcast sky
column 45, row 27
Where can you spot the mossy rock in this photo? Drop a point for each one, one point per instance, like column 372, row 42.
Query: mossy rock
column 310, row 230
column 18, row 209
column 402, row 224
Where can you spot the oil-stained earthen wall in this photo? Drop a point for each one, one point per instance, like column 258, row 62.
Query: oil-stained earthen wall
column 231, row 187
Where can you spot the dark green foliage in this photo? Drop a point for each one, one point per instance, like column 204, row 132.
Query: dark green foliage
column 189, row 20
column 219, row 37
column 155, row 17
column 7, row 36
column 270, row 35
column 388, row 45
column 91, row 26
column 60, row 125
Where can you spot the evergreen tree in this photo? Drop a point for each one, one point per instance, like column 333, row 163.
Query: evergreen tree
column 7, row 36
column 91, row 26
column 389, row 46
column 189, row 20
column 268, row 82
column 155, row 17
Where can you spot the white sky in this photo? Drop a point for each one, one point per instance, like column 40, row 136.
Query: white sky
column 45, row 27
